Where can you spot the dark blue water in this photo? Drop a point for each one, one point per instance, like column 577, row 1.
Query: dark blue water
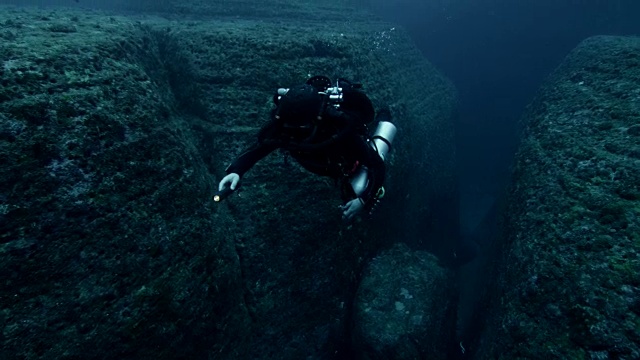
column 498, row 53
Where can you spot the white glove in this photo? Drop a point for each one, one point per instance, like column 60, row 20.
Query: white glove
column 232, row 178
column 351, row 209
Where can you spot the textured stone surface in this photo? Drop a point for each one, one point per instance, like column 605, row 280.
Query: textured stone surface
column 404, row 307
column 108, row 243
column 114, row 132
column 570, row 283
column 302, row 10
column 298, row 257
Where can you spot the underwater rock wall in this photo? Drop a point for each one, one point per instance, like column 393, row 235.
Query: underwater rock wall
column 299, row 262
column 569, row 284
column 312, row 11
column 108, row 242
column 114, row 133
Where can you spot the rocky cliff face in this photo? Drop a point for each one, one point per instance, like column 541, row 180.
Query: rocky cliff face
column 109, row 244
column 569, row 284
column 114, row 132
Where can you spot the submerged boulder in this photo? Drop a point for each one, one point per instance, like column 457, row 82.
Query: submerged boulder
column 405, row 307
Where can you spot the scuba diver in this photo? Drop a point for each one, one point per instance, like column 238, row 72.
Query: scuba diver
column 323, row 126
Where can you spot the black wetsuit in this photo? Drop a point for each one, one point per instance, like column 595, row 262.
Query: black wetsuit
column 336, row 148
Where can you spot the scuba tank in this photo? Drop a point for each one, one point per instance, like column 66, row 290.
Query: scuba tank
column 381, row 142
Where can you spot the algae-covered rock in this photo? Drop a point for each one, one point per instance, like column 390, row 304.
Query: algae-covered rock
column 114, row 133
column 108, row 244
column 404, row 307
column 570, row 278
column 299, row 261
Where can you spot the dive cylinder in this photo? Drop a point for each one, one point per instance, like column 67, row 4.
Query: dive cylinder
column 383, row 137
column 381, row 142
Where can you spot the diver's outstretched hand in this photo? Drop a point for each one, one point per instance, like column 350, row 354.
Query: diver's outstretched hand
column 232, row 179
column 351, row 209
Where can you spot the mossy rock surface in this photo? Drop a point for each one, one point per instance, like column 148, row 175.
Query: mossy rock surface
column 114, row 131
column 570, row 276
column 405, row 307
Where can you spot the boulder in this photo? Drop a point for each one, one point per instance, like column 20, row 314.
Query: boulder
column 405, row 307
